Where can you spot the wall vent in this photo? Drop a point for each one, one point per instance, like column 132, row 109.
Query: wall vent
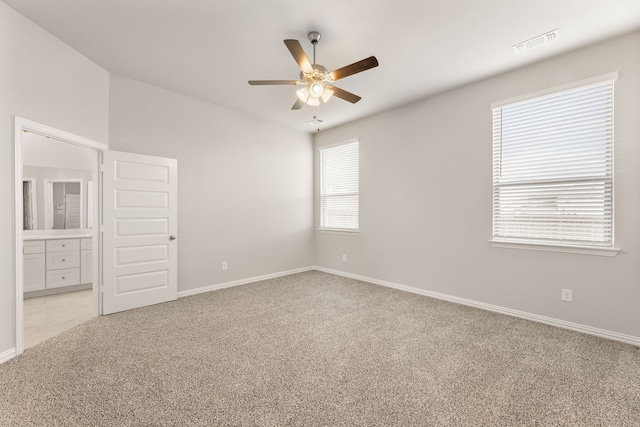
column 536, row 41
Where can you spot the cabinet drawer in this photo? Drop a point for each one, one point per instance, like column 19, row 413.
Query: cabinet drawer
column 60, row 278
column 59, row 260
column 86, row 244
column 33, row 247
column 63, row 245
column 33, row 278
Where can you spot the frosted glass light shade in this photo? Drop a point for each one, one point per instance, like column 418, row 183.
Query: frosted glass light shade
column 326, row 95
column 316, row 89
column 306, row 94
column 303, row 93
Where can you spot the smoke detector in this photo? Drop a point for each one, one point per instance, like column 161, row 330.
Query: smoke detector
column 536, row 41
column 315, row 121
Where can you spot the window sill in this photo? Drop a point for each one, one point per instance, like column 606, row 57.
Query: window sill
column 338, row 231
column 585, row 250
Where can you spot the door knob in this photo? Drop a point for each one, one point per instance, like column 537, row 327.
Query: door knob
column 172, row 237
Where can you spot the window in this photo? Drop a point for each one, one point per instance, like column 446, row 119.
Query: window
column 339, row 188
column 553, row 167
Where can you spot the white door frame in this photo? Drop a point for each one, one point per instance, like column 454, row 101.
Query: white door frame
column 20, row 127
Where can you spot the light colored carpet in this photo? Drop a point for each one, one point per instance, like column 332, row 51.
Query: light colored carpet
column 314, row 349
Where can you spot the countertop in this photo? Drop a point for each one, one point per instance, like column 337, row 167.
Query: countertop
column 80, row 233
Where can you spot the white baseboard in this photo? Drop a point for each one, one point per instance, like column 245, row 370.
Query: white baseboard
column 7, row 355
column 589, row 330
column 239, row 282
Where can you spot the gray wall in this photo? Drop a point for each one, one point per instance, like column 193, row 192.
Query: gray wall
column 245, row 187
column 426, row 173
column 44, row 80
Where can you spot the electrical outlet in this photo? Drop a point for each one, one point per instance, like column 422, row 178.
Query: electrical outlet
column 344, row 258
column 567, row 295
column 224, row 265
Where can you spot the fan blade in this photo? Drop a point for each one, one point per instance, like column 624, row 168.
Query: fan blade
column 298, row 105
column 354, row 68
column 343, row 94
column 273, row 82
column 298, row 54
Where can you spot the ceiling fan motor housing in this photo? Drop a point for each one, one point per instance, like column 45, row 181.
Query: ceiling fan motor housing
column 319, row 74
column 317, row 80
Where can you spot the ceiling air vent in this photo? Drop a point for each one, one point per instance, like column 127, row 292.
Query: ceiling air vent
column 536, row 41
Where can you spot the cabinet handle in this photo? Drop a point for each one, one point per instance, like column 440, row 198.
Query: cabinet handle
column 63, row 277
column 63, row 260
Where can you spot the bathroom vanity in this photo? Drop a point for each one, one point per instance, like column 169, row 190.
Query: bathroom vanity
column 57, row 261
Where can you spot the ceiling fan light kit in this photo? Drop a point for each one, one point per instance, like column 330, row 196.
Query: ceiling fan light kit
column 315, row 79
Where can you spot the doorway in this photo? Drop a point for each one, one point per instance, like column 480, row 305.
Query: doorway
column 51, row 259
column 59, row 175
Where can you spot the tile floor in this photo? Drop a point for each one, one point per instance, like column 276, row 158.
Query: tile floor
column 46, row 317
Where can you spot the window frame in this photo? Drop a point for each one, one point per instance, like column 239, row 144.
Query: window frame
column 321, row 195
column 546, row 245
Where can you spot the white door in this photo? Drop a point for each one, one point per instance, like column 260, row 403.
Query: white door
column 140, row 216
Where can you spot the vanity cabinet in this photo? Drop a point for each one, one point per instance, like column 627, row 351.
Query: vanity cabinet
column 34, row 266
column 86, row 261
column 62, row 278
column 63, row 245
column 56, row 263
column 60, row 260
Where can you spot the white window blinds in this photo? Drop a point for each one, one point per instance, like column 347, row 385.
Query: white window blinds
column 339, row 187
column 553, row 168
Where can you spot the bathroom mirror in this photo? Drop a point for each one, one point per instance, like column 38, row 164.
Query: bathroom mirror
column 63, row 204
column 57, row 184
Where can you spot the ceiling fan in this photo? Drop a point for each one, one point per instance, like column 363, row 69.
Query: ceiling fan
column 316, row 81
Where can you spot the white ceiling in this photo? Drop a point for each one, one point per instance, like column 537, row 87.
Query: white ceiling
column 208, row 49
